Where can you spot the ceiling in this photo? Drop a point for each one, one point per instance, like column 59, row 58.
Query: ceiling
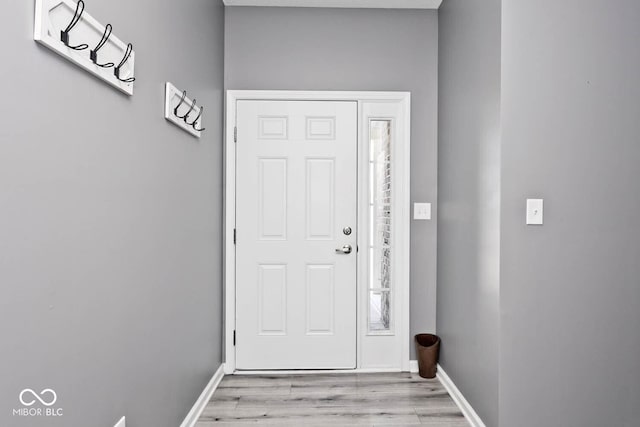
column 374, row 4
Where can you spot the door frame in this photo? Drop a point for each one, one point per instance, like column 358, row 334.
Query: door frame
column 368, row 104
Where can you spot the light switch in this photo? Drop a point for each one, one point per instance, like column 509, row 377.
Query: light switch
column 422, row 211
column 534, row 211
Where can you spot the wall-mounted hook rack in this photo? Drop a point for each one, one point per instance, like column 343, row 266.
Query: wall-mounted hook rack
column 182, row 111
column 66, row 28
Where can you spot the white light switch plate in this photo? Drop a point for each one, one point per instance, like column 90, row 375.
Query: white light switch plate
column 422, row 211
column 534, row 211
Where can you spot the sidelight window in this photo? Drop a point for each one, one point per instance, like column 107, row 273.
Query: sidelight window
column 380, row 217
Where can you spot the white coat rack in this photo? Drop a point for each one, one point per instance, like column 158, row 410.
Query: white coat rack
column 64, row 27
column 182, row 111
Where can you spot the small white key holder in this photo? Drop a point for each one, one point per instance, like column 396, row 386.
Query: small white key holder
column 182, row 111
column 64, row 27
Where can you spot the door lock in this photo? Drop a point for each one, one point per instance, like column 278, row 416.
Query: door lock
column 346, row 231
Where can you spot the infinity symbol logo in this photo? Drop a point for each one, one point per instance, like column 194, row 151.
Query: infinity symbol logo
column 36, row 396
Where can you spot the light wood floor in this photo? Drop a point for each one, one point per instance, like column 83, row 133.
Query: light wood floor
column 334, row 400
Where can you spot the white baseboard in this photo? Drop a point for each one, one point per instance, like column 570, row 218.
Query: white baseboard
column 317, row 371
column 413, row 366
column 193, row 415
column 468, row 411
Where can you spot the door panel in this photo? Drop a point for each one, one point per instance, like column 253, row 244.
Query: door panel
column 320, row 205
column 272, row 299
column 296, row 191
column 320, row 283
column 272, row 210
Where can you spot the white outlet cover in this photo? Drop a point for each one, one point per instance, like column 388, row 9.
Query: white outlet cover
column 422, row 211
column 535, row 211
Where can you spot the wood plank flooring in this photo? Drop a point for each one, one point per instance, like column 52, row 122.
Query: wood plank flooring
column 336, row 400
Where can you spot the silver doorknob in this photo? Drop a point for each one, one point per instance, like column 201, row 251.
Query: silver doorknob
column 346, row 249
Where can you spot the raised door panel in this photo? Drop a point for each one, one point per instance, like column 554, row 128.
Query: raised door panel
column 320, row 198
column 272, row 199
column 320, row 284
column 272, row 300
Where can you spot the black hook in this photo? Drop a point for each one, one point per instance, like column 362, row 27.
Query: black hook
column 64, row 35
column 94, row 53
column 175, row 110
column 116, row 71
column 193, row 124
column 193, row 107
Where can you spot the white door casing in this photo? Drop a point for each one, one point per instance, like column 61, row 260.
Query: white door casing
column 295, row 292
column 375, row 351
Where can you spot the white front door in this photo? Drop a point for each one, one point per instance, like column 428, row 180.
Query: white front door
column 296, row 199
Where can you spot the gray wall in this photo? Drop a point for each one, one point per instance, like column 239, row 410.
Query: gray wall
column 469, row 199
column 353, row 49
column 570, row 289
column 110, row 221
